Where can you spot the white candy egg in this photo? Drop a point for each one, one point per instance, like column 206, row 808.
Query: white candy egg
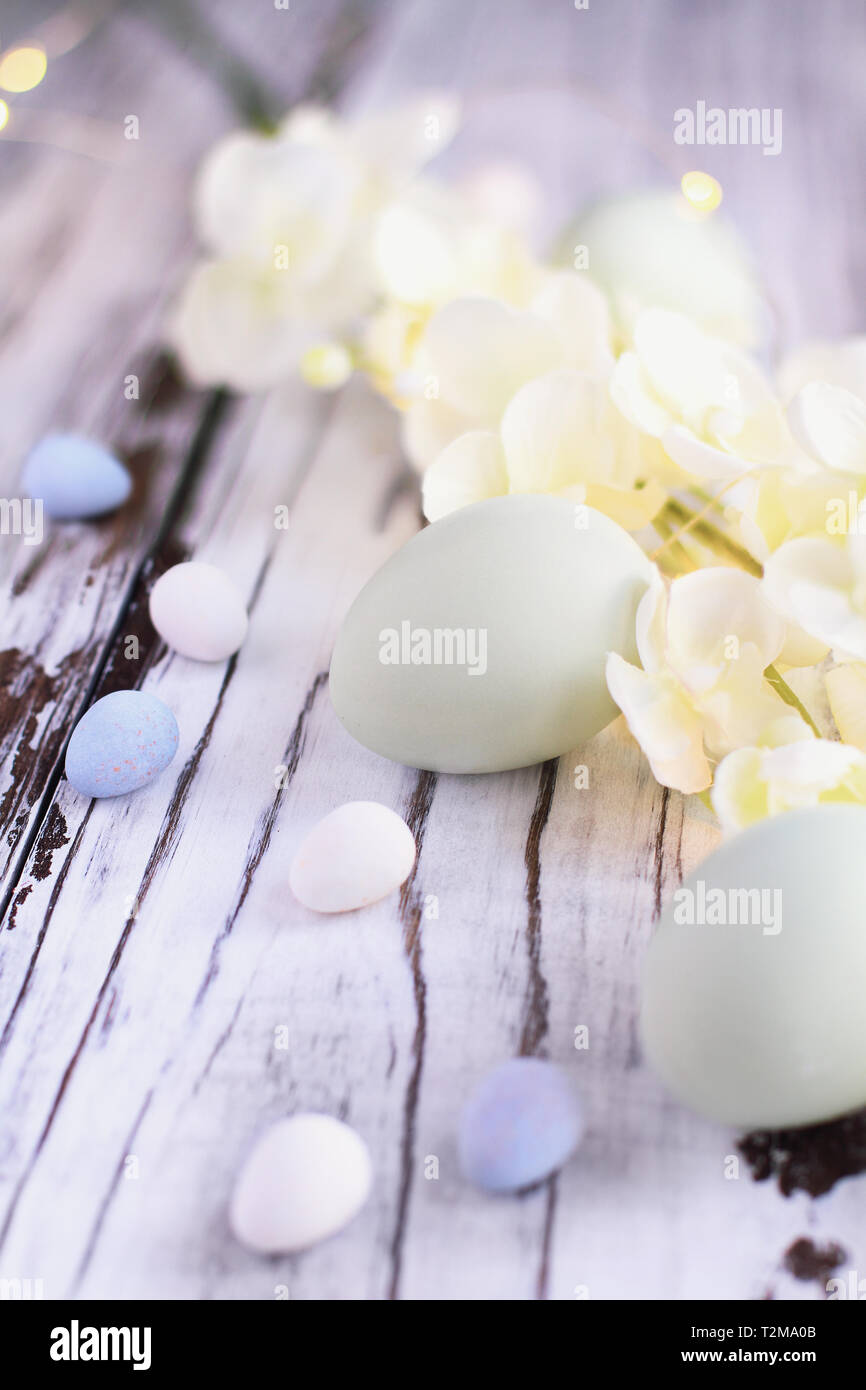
column 304, row 1180
column 197, row 611
column 754, row 1005
column 354, row 856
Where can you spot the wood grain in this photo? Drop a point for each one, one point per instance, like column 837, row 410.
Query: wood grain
column 164, row 997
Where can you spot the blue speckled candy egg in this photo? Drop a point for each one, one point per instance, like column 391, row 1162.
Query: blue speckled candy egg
column 75, row 477
column 122, row 743
column 520, row 1124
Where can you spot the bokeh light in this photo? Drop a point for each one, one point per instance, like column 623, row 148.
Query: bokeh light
column 4, row 114
column 702, row 191
column 22, row 69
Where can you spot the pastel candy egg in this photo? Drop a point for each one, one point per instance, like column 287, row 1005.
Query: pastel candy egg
column 122, row 743
column 481, row 645
column 755, row 980
column 520, row 1125
column 197, row 611
column 75, row 477
column 354, row 856
column 305, row 1179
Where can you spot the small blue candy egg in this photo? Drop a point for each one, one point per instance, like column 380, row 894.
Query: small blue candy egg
column 75, row 477
column 122, row 743
column 519, row 1125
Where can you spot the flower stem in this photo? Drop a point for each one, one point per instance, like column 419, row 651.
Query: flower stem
column 784, row 691
column 705, row 531
column 670, row 549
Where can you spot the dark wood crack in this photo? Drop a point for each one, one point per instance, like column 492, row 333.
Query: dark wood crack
column 536, row 1005
column 542, row 1285
column 411, row 916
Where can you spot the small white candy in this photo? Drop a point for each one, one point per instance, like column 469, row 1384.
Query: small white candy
column 304, row 1180
column 355, row 856
column 197, row 610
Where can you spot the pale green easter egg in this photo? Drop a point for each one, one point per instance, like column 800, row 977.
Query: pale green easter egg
column 755, row 981
column 481, row 645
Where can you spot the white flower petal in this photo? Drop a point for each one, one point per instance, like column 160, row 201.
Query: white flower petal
column 685, row 367
column 752, row 783
column 470, row 469
column 496, row 263
column 254, row 195
column 632, row 393
column 830, row 424
column 551, row 434
column 846, row 693
column 739, row 794
column 482, row 352
column 700, row 459
column 664, row 724
column 577, row 309
column 234, row 327
column 811, row 582
column 715, row 615
column 413, row 254
column 651, row 624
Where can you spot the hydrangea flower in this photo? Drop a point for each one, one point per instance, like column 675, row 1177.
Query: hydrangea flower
column 704, row 647
column 287, row 222
column 476, row 353
column 433, row 247
column 827, row 422
column 559, row 434
column 710, row 405
column 752, row 783
column 820, row 585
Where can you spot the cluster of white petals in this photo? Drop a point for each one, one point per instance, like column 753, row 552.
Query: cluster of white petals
column 289, row 223
column 618, row 371
column 752, row 783
column 704, row 645
column 560, row 433
column 710, row 405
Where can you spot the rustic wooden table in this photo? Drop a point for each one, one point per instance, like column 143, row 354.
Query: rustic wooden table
column 163, row 996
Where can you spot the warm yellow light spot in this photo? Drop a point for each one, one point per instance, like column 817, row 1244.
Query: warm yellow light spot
column 702, row 190
column 326, row 366
column 4, row 114
column 22, row 69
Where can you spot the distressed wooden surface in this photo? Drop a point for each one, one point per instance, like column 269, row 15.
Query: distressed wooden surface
column 153, row 961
